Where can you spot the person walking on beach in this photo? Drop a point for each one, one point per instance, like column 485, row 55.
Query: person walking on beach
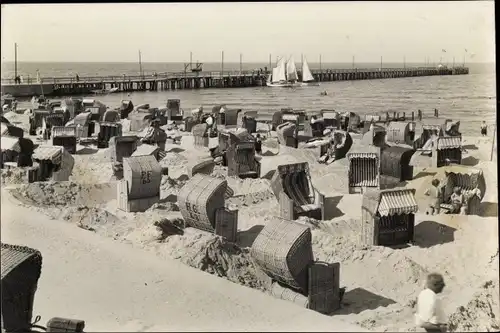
column 419, row 115
column 484, row 129
column 435, row 193
column 430, row 315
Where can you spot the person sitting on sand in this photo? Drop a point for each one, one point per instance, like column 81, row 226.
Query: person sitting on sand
column 435, row 193
column 430, row 315
column 457, row 200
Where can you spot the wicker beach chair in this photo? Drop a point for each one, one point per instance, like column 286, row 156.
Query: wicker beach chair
column 292, row 186
column 201, row 203
column 283, row 251
column 21, row 269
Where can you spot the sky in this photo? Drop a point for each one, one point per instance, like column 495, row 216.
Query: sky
column 168, row 32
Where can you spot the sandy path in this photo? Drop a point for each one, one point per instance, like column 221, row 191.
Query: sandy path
column 115, row 287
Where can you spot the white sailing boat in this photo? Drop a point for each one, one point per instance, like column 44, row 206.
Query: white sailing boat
column 284, row 74
column 307, row 78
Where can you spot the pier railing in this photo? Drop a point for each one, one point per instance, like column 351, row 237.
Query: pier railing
column 180, row 75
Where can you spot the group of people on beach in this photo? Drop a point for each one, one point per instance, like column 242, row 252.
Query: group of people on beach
column 456, row 199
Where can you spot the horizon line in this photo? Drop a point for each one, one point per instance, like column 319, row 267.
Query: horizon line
column 229, row 62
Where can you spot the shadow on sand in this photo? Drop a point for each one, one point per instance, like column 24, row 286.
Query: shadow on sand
column 170, row 198
column 470, row 147
column 331, row 210
column 175, row 150
column 247, row 237
column 470, row 161
column 423, row 174
column 489, row 209
column 86, row 151
column 269, row 153
column 358, row 300
column 430, row 233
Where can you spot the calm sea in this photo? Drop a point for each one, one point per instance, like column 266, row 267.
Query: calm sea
column 468, row 98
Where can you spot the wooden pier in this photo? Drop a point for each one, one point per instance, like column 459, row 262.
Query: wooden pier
column 62, row 86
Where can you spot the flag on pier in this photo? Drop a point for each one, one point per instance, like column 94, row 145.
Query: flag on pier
column 443, row 50
column 466, row 50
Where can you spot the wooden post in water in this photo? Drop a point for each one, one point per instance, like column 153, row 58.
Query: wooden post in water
column 353, row 62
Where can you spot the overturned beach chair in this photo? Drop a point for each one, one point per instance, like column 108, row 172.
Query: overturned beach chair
column 292, row 186
column 201, row 202
column 283, row 251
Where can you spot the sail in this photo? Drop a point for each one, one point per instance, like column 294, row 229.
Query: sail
column 306, row 72
column 275, row 74
column 291, row 70
column 280, row 72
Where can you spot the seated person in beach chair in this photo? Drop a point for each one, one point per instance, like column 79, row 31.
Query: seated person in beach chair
column 152, row 133
column 258, row 144
column 435, row 193
column 173, row 132
column 329, row 157
column 457, row 201
column 212, row 126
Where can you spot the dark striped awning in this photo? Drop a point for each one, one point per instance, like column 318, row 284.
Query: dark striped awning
column 401, row 201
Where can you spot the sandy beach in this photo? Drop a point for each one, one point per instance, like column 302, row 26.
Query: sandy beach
column 137, row 259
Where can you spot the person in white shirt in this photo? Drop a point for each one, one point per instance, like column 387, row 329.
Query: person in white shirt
column 430, row 315
column 209, row 121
